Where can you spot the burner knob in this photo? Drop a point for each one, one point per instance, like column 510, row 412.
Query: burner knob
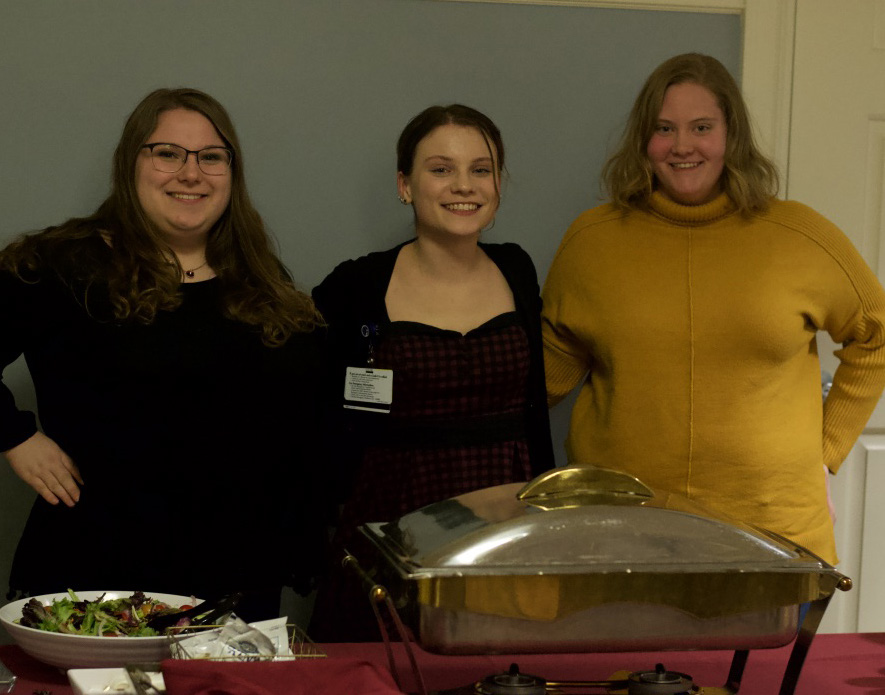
column 659, row 682
column 512, row 683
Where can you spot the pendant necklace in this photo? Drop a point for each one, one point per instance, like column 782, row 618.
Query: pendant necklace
column 190, row 273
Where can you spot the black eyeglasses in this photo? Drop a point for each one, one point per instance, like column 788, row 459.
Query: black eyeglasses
column 170, row 158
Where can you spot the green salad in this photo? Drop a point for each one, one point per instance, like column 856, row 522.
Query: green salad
column 99, row 618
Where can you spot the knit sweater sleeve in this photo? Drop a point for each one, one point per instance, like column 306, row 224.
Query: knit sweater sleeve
column 860, row 376
column 856, row 320
column 566, row 360
column 563, row 370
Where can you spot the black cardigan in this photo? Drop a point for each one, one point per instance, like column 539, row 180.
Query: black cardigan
column 353, row 296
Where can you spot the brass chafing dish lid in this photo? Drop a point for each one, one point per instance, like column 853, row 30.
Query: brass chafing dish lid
column 583, row 520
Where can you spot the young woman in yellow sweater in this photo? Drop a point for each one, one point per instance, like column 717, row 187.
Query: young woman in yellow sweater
column 687, row 309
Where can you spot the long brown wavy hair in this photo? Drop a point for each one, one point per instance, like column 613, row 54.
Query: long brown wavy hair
column 749, row 178
column 141, row 279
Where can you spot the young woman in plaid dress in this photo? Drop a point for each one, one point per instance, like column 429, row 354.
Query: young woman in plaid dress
column 436, row 349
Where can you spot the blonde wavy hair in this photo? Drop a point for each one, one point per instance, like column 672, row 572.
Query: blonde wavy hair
column 140, row 280
column 749, row 178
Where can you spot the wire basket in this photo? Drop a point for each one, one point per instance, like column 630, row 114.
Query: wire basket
column 295, row 645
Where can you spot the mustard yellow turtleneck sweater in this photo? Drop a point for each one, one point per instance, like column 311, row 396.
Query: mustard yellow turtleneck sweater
column 693, row 331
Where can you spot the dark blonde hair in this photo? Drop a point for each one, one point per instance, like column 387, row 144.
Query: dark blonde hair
column 141, row 279
column 749, row 178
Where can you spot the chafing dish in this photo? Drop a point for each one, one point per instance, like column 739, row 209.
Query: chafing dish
column 585, row 559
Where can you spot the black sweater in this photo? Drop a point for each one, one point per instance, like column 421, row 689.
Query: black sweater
column 196, row 443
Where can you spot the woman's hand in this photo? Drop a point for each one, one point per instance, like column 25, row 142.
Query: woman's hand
column 830, row 505
column 42, row 464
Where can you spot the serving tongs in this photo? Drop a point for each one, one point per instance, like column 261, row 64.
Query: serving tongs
column 144, row 678
column 208, row 612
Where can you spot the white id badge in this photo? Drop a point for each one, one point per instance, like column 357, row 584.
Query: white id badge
column 370, row 389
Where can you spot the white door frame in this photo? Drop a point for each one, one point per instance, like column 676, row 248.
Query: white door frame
column 769, row 28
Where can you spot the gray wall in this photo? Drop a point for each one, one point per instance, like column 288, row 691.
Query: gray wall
column 319, row 90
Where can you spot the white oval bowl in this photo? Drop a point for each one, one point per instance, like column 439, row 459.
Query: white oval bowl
column 86, row 651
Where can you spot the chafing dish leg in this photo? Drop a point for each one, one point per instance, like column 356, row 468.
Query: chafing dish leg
column 803, row 642
column 736, row 672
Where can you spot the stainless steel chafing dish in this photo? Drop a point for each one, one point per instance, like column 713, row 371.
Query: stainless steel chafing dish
column 585, row 559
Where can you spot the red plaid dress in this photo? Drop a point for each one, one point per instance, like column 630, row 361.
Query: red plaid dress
column 456, row 424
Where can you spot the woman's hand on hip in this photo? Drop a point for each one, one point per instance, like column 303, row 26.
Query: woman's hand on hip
column 41, row 463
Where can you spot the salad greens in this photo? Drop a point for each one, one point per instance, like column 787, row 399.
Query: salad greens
column 111, row 618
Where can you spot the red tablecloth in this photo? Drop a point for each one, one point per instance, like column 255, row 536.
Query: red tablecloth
column 836, row 665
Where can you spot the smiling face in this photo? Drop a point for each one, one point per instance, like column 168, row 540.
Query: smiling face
column 184, row 205
column 687, row 149
column 454, row 182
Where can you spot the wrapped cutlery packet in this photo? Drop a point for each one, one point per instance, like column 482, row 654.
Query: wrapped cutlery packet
column 238, row 641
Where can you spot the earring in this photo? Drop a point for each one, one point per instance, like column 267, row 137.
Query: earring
column 403, row 200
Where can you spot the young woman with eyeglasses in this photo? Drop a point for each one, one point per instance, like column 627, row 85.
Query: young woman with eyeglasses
column 174, row 363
